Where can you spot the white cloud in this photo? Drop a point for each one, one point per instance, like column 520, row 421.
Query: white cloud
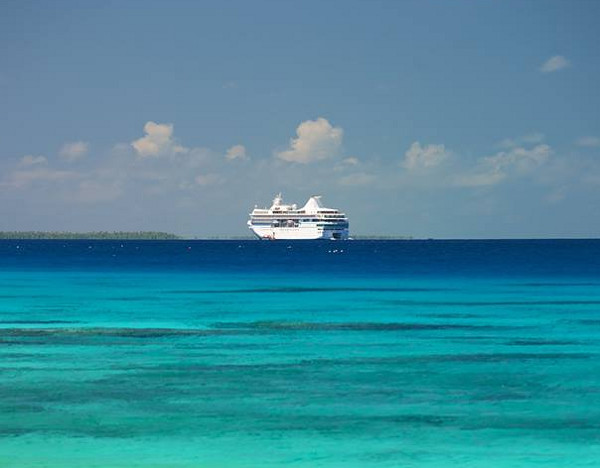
column 531, row 139
column 158, row 141
column 208, row 179
column 346, row 164
column 523, row 160
column 558, row 62
column 480, row 179
column 351, row 161
column 589, row 141
column 494, row 169
column 426, row 156
column 358, row 178
column 236, row 152
column 316, row 140
column 30, row 160
column 74, row 150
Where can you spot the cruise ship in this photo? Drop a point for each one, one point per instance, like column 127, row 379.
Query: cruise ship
column 312, row 221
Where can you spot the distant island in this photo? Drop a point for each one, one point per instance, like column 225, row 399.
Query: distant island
column 143, row 235
column 99, row 235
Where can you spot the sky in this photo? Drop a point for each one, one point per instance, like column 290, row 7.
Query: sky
column 431, row 119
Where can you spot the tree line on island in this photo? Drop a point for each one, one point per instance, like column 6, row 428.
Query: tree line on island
column 143, row 235
column 99, row 235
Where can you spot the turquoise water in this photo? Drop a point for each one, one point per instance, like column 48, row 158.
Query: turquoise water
column 256, row 354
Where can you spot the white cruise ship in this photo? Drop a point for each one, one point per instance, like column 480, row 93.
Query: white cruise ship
column 312, row 221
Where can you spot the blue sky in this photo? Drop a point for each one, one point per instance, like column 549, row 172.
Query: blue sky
column 426, row 118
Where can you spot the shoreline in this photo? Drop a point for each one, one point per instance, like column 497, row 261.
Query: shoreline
column 163, row 236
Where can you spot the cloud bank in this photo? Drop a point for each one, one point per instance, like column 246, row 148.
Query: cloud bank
column 494, row 169
column 155, row 179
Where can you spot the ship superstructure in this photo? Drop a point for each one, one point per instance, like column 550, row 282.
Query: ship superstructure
column 312, row 221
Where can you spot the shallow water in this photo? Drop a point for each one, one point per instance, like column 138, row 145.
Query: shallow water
column 244, row 354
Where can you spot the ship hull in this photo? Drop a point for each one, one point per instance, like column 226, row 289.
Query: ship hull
column 298, row 233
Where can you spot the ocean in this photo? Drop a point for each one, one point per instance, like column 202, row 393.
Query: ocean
column 307, row 354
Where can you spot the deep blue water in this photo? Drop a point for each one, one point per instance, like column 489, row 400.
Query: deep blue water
column 331, row 354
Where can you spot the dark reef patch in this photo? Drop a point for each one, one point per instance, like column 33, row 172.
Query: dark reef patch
column 541, row 342
column 38, row 322
column 276, row 325
column 294, row 290
column 490, row 303
column 588, row 322
column 456, row 315
column 112, row 332
column 554, row 285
